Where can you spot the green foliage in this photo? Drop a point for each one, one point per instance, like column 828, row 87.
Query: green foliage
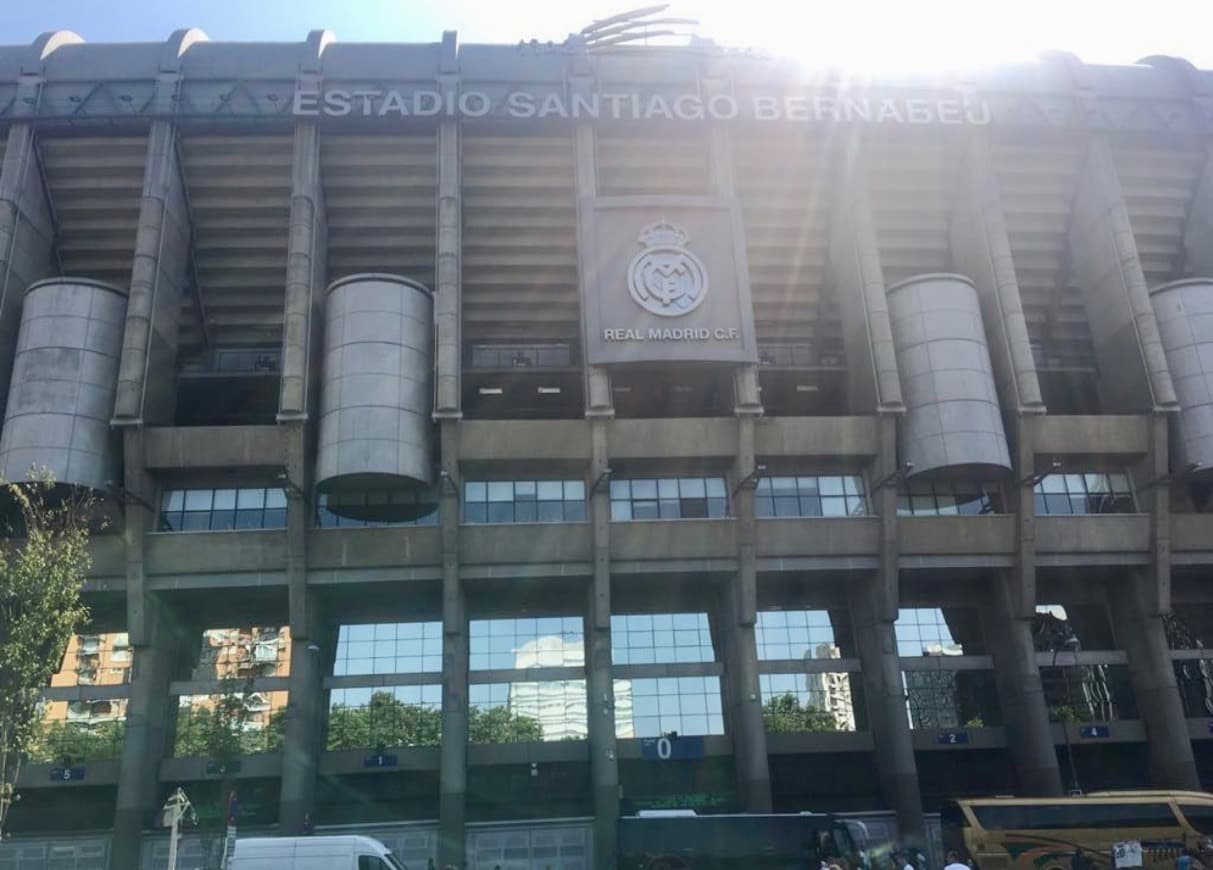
column 499, row 725
column 78, row 741
column 226, row 727
column 386, row 721
column 41, row 575
column 1067, row 713
column 783, row 714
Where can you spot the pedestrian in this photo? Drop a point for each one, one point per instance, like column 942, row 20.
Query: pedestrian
column 906, row 861
column 954, row 862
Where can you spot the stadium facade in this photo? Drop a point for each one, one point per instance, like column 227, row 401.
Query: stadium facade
column 664, row 427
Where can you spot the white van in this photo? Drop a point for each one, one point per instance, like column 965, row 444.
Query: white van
column 313, row 853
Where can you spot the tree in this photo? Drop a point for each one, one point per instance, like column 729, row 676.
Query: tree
column 54, row 741
column 783, row 714
column 42, row 570
column 223, row 728
column 500, row 725
column 386, row 721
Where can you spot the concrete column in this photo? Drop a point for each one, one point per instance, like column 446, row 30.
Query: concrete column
column 855, row 271
column 453, row 765
column 306, row 707
column 305, row 275
column 1198, row 233
column 156, row 644
column 1139, row 629
column 600, row 686
column 450, row 292
column 874, row 607
column 1020, row 693
column 147, row 374
column 886, row 703
column 599, row 401
column 1133, row 374
column 27, row 237
column 738, row 615
column 981, row 250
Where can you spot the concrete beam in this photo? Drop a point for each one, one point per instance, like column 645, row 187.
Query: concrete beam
column 176, row 448
column 27, row 235
column 1133, row 373
column 305, row 277
column 981, row 250
column 147, row 382
column 857, row 276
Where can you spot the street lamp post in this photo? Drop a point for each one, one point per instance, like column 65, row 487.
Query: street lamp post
column 171, row 814
column 1068, row 642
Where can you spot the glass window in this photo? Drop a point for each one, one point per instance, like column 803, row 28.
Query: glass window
column 641, row 639
column 809, row 702
column 1072, row 628
column 951, row 699
column 239, row 722
column 535, row 642
column 948, row 498
column 242, row 652
column 527, row 712
column 368, row 718
column 524, row 501
column 1089, row 493
column 934, row 631
column 389, row 648
column 1195, row 680
column 811, row 496
column 201, row 510
column 669, row 498
column 1008, row 817
column 78, row 731
column 682, row 705
column 1088, row 693
column 327, row 506
column 796, row 634
column 95, row 660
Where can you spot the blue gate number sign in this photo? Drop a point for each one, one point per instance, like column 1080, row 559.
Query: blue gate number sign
column 953, row 738
column 67, row 774
column 667, row 748
column 381, row 759
column 1093, row 731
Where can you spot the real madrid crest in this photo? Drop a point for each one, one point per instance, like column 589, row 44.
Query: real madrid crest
column 665, row 278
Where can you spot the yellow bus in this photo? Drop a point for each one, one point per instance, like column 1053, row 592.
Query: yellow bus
column 999, row 833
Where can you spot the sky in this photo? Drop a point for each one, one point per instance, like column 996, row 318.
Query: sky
column 859, row 35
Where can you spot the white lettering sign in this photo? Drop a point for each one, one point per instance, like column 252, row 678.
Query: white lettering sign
column 793, row 108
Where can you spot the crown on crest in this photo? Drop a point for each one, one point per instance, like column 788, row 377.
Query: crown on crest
column 663, row 234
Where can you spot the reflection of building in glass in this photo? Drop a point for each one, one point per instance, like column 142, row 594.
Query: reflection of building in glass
column 558, row 705
column 91, row 660
column 243, row 653
column 832, row 691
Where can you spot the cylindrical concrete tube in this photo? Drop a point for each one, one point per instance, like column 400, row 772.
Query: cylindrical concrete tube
column 376, row 396
column 1184, row 313
column 953, row 426
column 65, row 374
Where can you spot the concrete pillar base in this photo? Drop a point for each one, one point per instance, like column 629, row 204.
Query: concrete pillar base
column 452, row 829
column 756, row 795
column 127, row 844
column 606, row 827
